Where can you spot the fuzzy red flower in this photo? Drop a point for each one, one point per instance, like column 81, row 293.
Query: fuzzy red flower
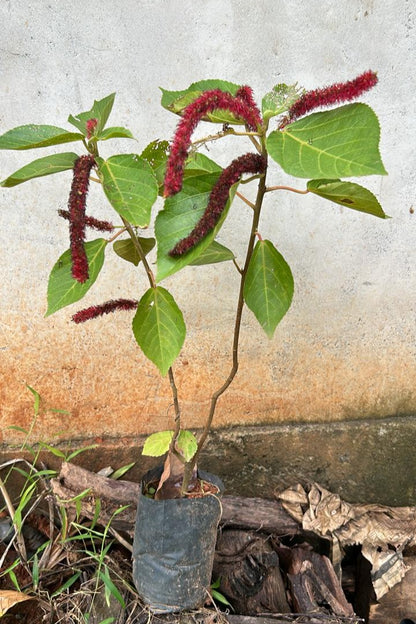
column 327, row 96
column 76, row 205
column 104, row 308
column 241, row 105
column 95, row 224
column 249, row 163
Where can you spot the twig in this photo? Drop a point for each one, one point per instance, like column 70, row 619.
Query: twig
column 286, row 188
column 245, row 200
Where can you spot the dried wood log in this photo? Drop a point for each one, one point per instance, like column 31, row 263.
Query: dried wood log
column 249, row 573
column 313, row 582
column 248, row 513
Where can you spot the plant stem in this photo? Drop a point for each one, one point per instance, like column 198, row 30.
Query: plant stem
column 237, row 327
column 140, row 251
column 286, row 188
column 245, row 200
column 174, row 390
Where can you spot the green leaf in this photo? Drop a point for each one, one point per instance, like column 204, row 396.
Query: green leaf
column 41, row 167
column 32, row 136
column 268, row 288
column 62, row 288
column 100, row 111
column 126, row 249
column 348, row 194
column 338, row 143
column 187, row 444
column 178, row 218
column 116, row 132
column 159, row 328
column 176, row 101
column 279, row 100
column 111, row 590
column 36, row 403
column 199, row 164
column 213, row 254
column 120, row 472
column 156, row 154
column 130, row 186
column 72, row 579
column 218, row 597
column 157, row 444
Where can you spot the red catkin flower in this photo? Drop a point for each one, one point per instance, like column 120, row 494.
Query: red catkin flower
column 76, row 205
column 105, row 308
column 90, row 127
column 242, row 106
column 95, row 224
column 246, row 93
column 327, row 96
column 249, row 163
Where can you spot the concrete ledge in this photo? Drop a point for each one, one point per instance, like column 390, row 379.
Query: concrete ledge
column 364, row 461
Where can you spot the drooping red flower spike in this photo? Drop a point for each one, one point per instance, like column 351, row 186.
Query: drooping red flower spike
column 90, row 127
column 327, row 96
column 76, row 205
column 104, row 308
column 95, row 224
column 249, row 163
column 242, row 106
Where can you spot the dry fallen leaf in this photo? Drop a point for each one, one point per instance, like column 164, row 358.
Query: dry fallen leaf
column 8, row 598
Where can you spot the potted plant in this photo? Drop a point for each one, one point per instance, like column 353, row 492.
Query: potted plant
column 322, row 147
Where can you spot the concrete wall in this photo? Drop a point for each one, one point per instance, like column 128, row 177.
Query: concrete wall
column 346, row 350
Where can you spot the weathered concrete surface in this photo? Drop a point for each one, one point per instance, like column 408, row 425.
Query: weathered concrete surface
column 364, row 461
column 346, row 349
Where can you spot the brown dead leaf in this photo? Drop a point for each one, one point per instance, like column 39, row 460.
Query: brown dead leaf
column 9, row 598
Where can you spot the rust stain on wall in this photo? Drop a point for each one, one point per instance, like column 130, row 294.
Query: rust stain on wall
column 109, row 388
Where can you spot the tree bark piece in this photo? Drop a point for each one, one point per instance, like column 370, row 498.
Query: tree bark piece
column 249, row 572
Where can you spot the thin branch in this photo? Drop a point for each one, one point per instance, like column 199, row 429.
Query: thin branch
column 221, row 135
column 237, row 325
column 245, row 200
column 256, row 144
column 239, row 269
column 117, row 234
column 177, row 408
column 140, row 251
column 286, row 188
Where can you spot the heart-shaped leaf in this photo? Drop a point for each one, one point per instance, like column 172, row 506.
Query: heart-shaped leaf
column 159, row 328
column 41, row 167
column 187, row 444
column 126, row 249
column 348, row 194
column 63, row 289
column 116, row 132
column 156, row 154
column 338, row 143
column 268, row 288
column 279, row 100
column 157, row 444
column 213, row 254
column 33, row 136
column 130, row 186
column 180, row 215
